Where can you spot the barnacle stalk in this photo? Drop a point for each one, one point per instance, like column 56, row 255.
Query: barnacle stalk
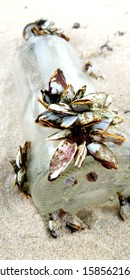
column 77, row 130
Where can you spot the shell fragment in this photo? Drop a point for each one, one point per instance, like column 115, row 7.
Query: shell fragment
column 61, row 159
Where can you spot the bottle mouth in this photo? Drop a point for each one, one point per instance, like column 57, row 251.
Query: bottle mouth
column 42, row 27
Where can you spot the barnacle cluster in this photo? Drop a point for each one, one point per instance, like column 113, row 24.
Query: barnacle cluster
column 61, row 219
column 83, row 120
column 20, row 166
column 42, row 27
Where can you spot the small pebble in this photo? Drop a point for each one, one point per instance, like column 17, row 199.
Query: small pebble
column 76, row 25
column 119, row 33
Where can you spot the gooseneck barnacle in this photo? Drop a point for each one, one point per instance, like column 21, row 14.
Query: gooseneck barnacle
column 83, row 120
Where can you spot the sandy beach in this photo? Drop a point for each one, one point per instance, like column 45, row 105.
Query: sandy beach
column 23, row 232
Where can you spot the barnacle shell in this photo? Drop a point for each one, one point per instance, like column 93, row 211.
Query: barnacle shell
column 68, row 94
column 103, row 154
column 68, row 121
column 62, row 109
column 100, row 99
column 61, row 159
column 59, row 219
column 49, row 119
column 88, row 118
column 98, row 135
column 81, row 154
column 20, row 166
column 57, row 82
column 59, row 135
column 81, row 105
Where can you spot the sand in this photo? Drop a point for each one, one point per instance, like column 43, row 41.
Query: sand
column 23, row 232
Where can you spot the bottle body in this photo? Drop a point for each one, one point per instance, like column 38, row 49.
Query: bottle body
column 35, row 63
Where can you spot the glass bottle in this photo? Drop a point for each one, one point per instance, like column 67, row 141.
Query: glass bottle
column 36, row 60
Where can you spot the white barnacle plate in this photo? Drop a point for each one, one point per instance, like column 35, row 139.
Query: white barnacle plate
column 100, row 99
column 81, row 154
column 59, row 135
column 56, row 87
column 88, row 118
column 103, row 125
column 19, row 158
column 68, row 94
column 61, row 108
column 81, row 105
column 57, row 82
column 49, row 119
column 68, row 121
